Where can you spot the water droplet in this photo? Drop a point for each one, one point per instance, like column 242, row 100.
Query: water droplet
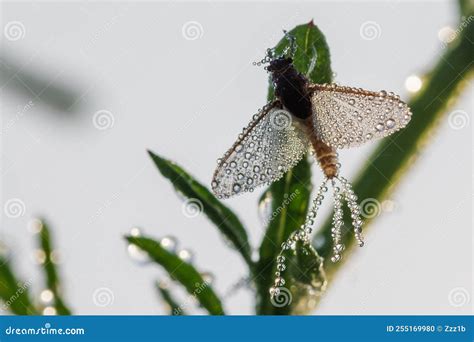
column 238, row 148
column 390, row 123
column 137, row 254
column 185, row 255
column 49, row 311
column 352, row 102
column 169, row 243
column 39, row 256
column 336, row 258
column 135, row 231
column 236, row 188
column 279, row 281
column 379, row 127
column 46, row 296
column 35, row 226
column 208, row 277
column 55, row 256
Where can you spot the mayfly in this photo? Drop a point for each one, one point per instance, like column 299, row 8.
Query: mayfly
column 305, row 116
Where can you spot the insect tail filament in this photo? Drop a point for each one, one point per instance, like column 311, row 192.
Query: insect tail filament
column 354, row 208
column 341, row 193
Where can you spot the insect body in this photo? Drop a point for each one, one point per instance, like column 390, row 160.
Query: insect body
column 294, row 92
column 306, row 116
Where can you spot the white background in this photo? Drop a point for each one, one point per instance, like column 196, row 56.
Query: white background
column 187, row 100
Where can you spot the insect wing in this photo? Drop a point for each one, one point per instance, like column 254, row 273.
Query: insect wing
column 347, row 117
column 269, row 146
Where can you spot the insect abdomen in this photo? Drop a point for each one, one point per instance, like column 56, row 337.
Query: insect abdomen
column 324, row 154
column 327, row 159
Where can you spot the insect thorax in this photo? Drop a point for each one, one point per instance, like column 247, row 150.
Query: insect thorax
column 291, row 90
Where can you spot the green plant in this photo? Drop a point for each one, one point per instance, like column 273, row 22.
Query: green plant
column 309, row 273
column 387, row 165
column 16, row 293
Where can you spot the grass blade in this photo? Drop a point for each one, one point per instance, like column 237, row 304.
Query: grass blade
column 182, row 272
column 173, row 307
column 224, row 219
column 53, row 282
column 13, row 292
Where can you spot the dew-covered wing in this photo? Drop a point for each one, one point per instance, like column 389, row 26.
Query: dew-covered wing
column 270, row 145
column 346, row 117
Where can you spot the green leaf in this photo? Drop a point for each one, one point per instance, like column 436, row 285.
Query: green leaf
column 53, row 282
column 224, row 219
column 13, row 292
column 394, row 155
column 182, row 272
column 311, row 59
column 172, row 306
